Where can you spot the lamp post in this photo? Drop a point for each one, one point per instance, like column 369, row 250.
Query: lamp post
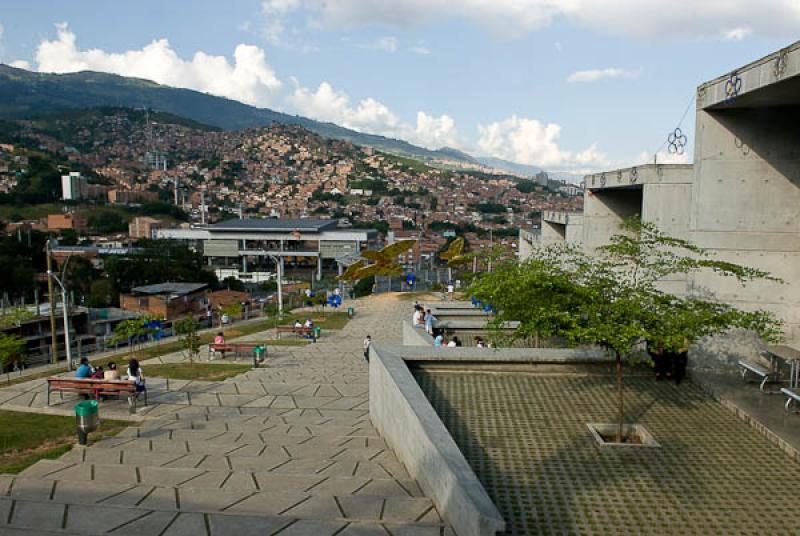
column 279, row 265
column 66, row 316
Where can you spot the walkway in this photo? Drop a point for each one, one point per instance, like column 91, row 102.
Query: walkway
column 287, row 449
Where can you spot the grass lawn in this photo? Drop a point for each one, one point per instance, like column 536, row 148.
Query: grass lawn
column 195, row 371
column 334, row 320
column 26, row 438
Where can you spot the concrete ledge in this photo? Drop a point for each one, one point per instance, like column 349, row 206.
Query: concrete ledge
column 408, row 423
column 500, row 355
column 415, row 336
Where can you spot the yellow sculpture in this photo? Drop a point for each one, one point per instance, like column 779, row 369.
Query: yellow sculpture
column 383, row 262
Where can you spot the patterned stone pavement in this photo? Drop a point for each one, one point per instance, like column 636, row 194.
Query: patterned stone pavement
column 287, row 449
column 526, row 438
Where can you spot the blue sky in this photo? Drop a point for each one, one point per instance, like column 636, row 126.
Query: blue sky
column 573, row 85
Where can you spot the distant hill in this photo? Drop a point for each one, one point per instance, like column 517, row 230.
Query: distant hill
column 518, row 169
column 25, row 94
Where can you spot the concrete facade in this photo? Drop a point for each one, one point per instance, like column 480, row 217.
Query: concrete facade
column 658, row 193
column 746, row 193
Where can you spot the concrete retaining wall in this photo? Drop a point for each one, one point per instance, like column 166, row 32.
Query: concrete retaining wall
column 415, row 336
column 410, row 426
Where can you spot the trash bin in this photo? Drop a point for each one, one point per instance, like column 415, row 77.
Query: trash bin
column 350, row 312
column 317, row 331
column 258, row 354
column 87, row 418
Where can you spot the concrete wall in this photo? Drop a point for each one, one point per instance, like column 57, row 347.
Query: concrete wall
column 527, row 240
column 410, row 426
column 415, row 336
column 746, row 204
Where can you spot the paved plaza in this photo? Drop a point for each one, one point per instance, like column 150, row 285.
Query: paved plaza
column 287, row 449
column 526, row 438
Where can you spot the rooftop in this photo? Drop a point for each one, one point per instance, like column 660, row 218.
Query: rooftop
column 307, row 225
column 178, row 289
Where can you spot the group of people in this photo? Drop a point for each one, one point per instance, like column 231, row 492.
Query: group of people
column 134, row 373
column 423, row 319
column 307, row 325
column 440, row 341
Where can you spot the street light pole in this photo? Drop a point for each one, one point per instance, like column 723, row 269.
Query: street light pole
column 51, row 297
column 279, row 265
column 66, row 317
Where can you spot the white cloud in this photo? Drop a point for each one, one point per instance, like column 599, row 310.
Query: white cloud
column 21, row 64
column 736, row 34
column 422, row 51
column 593, row 75
column 387, row 43
column 248, row 79
column 529, row 141
column 369, row 115
column 521, row 140
column 279, row 7
column 510, row 18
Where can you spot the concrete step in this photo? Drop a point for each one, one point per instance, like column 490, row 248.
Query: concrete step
column 353, row 517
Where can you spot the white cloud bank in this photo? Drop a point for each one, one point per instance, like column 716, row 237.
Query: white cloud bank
column 643, row 19
column 593, row 75
column 250, row 79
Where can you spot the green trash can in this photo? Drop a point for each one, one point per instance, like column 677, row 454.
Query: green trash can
column 259, row 352
column 350, row 312
column 317, row 331
column 86, row 419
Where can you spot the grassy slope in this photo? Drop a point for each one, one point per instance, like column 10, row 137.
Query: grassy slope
column 26, row 438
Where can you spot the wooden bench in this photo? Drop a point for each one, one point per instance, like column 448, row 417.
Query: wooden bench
column 306, row 332
column 791, row 396
column 94, row 388
column 758, row 371
column 240, row 349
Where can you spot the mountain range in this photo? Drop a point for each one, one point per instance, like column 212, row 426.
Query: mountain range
column 25, row 94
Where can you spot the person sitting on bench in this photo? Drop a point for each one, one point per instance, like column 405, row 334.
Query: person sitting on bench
column 85, row 370
column 112, row 373
column 219, row 339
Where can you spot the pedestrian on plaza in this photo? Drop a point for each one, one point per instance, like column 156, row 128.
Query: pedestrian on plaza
column 367, row 343
column 438, row 341
column 457, row 341
column 479, row 343
column 450, row 290
column 136, row 375
column 452, row 343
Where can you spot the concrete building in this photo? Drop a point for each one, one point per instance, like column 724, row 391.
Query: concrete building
column 658, row 193
column 144, row 227
column 125, row 197
column 559, row 226
column 59, row 222
column 741, row 198
column 74, row 186
column 167, row 300
column 746, row 192
column 253, row 245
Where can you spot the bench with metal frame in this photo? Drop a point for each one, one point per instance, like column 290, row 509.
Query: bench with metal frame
column 792, row 396
column 764, row 374
column 94, row 388
column 240, row 349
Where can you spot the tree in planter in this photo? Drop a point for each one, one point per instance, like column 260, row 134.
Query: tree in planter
column 134, row 331
column 613, row 299
column 12, row 349
column 190, row 340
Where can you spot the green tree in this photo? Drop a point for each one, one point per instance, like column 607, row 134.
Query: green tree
column 12, row 348
column 190, row 340
column 134, row 331
column 613, row 299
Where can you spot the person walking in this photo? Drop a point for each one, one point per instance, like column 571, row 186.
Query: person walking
column 367, row 343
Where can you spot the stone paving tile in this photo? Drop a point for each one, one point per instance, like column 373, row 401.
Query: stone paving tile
column 286, row 449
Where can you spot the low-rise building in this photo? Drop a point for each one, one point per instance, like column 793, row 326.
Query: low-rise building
column 167, row 300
